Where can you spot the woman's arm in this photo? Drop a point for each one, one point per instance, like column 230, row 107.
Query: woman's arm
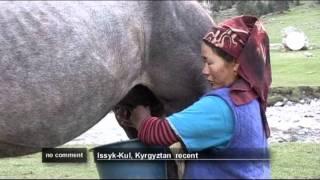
column 156, row 131
column 152, row 130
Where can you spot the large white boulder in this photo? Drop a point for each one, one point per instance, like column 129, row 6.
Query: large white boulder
column 294, row 39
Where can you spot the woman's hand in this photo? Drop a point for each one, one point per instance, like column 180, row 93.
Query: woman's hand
column 122, row 114
column 138, row 114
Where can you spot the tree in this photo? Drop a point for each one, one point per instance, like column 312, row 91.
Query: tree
column 247, row 8
column 227, row 4
column 262, row 8
column 241, row 6
column 270, row 7
column 281, row 5
column 297, row 2
column 215, row 6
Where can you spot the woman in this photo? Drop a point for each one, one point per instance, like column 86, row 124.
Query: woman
column 229, row 117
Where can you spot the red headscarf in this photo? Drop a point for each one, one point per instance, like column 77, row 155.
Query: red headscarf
column 245, row 38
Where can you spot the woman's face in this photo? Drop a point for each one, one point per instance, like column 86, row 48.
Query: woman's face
column 217, row 71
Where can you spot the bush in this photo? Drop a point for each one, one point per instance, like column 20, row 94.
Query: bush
column 260, row 7
column 218, row 5
column 252, row 7
column 297, row 3
column 280, row 6
column 270, row 8
column 248, row 8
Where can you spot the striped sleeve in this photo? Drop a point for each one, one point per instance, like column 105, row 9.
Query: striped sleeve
column 156, row 131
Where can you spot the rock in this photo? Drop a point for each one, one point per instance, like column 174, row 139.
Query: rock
column 282, row 139
column 274, row 129
column 294, row 39
column 308, row 100
column 276, row 46
column 289, row 103
column 293, row 122
column 279, row 104
column 286, row 132
column 314, row 46
column 301, row 132
column 272, row 100
column 308, row 54
column 293, row 139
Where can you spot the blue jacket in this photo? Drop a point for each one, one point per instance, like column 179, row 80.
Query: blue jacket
column 248, row 136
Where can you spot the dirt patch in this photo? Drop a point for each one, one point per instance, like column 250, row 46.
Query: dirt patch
column 293, row 94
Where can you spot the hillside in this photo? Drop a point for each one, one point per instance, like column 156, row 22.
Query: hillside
column 296, row 68
column 291, row 68
column 295, row 74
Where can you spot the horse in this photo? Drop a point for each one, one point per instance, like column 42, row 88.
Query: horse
column 65, row 65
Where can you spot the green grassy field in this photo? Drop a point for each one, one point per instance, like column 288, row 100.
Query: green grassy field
column 289, row 160
column 295, row 160
column 31, row 167
column 304, row 17
column 293, row 68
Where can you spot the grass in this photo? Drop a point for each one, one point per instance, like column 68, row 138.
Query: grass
column 293, row 68
column 31, row 167
column 304, row 17
column 295, row 160
column 289, row 160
